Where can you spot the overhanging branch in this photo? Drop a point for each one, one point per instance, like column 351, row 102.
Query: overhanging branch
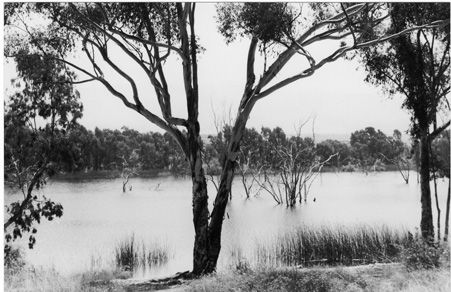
column 341, row 51
column 437, row 131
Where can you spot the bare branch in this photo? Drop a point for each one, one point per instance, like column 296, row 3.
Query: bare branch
column 349, row 23
column 437, row 131
column 340, row 52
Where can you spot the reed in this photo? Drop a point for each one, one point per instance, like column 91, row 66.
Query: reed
column 342, row 245
column 131, row 254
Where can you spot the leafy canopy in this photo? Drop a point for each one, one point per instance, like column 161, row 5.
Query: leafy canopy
column 415, row 65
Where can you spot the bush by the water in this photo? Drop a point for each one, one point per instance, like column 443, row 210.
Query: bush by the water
column 129, row 254
column 420, row 254
column 334, row 245
column 12, row 260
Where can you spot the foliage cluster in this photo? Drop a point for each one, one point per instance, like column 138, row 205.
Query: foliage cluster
column 86, row 150
column 13, row 261
column 420, row 254
column 441, row 154
column 365, row 148
column 38, row 116
column 415, row 65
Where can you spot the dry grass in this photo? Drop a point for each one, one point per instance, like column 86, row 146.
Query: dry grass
column 377, row 277
column 31, row 279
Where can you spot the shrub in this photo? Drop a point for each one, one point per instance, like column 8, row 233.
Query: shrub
column 12, row 260
column 422, row 255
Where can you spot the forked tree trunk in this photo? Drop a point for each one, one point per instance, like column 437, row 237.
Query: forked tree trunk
column 426, row 225
column 207, row 243
column 228, row 172
column 200, row 206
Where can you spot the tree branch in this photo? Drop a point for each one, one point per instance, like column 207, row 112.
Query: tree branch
column 34, row 181
column 340, row 52
column 250, row 75
column 437, row 131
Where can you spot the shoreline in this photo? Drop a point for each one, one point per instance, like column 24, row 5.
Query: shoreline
column 114, row 174
column 372, row 277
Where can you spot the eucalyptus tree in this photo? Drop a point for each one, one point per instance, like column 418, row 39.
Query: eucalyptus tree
column 149, row 34
column 416, row 65
column 37, row 118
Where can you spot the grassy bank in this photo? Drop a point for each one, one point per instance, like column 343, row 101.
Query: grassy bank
column 320, row 259
column 129, row 255
column 30, row 279
column 375, row 277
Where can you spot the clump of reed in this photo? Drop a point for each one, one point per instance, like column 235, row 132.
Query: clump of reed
column 306, row 246
column 237, row 260
column 130, row 254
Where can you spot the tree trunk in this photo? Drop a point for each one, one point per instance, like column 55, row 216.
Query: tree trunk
column 228, row 172
column 437, row 204
column 418, row 175
column 445, row 236
column 426, row 225
column 200, row 206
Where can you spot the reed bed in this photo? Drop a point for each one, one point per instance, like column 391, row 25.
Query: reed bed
column 342, row 245
column 131, row 254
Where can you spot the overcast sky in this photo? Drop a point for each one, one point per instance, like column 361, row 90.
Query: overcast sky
column 336, row 94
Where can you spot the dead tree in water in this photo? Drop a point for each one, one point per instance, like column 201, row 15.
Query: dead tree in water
column 125, row 178
column 402, row 165
column 248, row 174
column 297, row 167
column 127, row 172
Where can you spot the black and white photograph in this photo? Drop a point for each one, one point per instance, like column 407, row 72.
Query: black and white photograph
column 226, row 146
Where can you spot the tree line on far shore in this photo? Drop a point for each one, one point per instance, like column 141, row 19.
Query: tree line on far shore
column 83, row 150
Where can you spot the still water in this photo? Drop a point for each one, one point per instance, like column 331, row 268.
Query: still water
column 98, row 215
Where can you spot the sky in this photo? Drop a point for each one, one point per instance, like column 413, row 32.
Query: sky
column 336, row 96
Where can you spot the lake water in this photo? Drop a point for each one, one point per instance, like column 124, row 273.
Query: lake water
column 97, row 215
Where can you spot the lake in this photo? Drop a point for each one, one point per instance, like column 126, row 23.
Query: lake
column 98, row 215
